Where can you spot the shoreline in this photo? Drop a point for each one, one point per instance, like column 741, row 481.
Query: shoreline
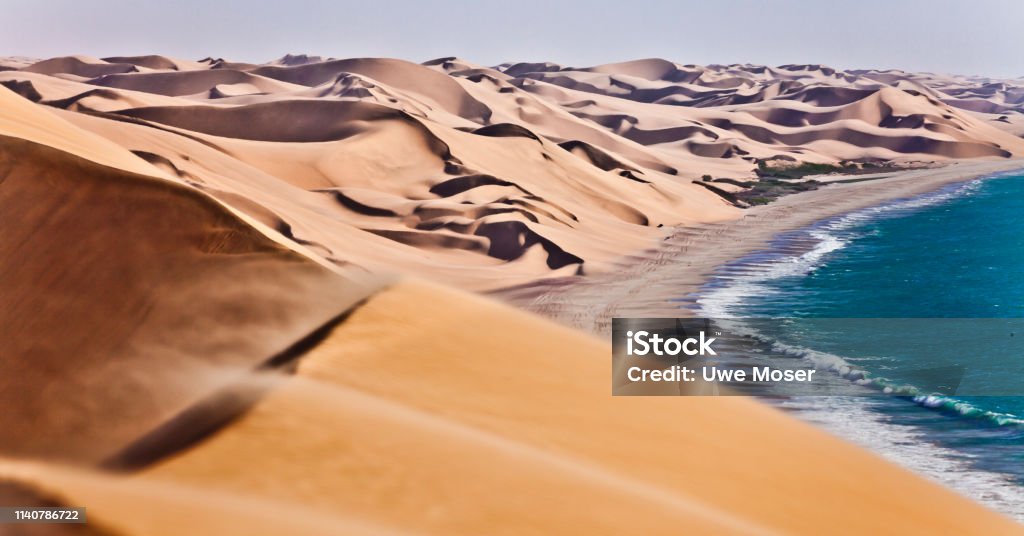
column 667, row 282
column 653, row 282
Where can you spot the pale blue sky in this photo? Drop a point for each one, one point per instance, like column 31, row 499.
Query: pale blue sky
column 962, row 36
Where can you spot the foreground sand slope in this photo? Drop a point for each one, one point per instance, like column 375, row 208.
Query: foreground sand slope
column 128, row 297
column 430, row 411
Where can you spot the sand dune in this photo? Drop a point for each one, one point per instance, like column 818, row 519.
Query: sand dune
column 151, row 265
column 440, row 90
column 403, row 431
column 380, row 146
column 80, row 66
column 503, row 440
column 21, row 119
column 180, row 83
column 157, row 63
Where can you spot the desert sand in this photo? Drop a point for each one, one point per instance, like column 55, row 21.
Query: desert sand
column 503, row 427
column 487, row 177
column 237, row 296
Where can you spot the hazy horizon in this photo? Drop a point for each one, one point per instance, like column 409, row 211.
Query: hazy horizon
column 942, row 37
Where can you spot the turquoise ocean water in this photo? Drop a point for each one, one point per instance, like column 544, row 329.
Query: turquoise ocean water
column 952, row 260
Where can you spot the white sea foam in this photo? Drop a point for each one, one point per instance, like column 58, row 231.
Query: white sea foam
column 853, row 419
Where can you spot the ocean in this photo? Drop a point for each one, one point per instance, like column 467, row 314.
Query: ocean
column 945, row 265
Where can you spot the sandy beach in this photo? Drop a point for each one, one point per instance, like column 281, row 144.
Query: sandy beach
column 661, row 281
